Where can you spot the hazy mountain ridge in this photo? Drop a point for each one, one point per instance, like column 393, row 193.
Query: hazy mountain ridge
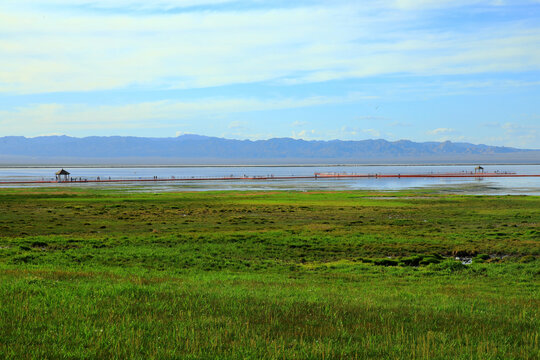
column 197, row 146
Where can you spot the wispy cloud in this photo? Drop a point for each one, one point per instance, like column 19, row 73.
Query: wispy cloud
column 304, row 134
column 51, row 51
column 372, row 132
column 438, row 4
column 522, row 135
column 517, row 134
column 49, row 117
column 440, row 131
column 216, row 66
column 159, row 4
column 354, row 132
column 237, row 125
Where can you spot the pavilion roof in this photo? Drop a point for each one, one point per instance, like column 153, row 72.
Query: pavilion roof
column 62, row 172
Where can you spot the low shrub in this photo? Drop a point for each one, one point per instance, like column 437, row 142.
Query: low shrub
column 418, row 260
column 430, row 260
column 527, row 259
column 449, row 266
column 481, row 258
column 464, row 253
column 386, row 262
column 39, row 244
column 23, row 259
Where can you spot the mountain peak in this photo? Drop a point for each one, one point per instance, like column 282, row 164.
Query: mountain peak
column 193, row 147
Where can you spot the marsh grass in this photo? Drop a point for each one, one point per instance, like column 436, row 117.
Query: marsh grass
column 227, row 275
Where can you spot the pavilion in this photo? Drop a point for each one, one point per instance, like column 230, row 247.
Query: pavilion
column 62, row 175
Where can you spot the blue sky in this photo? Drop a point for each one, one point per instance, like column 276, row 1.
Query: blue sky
column 422, row 70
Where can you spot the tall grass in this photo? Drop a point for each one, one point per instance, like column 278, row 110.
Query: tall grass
column 276, row 276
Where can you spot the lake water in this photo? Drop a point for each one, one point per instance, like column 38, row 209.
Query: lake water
column 526, row 185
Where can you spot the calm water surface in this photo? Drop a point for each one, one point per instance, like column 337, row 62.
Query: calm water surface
column 528, row 186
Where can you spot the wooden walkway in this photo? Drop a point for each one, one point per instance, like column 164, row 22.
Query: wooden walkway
column 292, row 177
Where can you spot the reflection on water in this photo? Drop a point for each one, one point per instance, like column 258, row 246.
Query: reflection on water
column 529, row 186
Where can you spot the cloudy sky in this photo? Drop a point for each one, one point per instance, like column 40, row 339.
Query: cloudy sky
column 423, row 70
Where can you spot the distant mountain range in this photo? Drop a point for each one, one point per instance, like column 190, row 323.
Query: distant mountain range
column 191, row 149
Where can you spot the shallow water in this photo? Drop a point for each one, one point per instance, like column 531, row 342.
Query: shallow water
column 498, row 186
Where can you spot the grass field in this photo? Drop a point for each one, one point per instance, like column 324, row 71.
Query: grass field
column 279, row 275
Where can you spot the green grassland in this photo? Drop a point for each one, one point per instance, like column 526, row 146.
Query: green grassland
column 277, row 275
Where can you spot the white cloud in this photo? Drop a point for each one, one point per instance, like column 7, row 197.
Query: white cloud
column 438, row 4
column 51, row 134
column 50, row 51
column 440, row 131
column 522, row 135
column 169, row 4
column 351, row 132
column 237, row 125
column 42, row 118
column 372, row 132
column 145, row 4
column 348, row 130
column 247, row 135
column 126, row 4
column 305, row 134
